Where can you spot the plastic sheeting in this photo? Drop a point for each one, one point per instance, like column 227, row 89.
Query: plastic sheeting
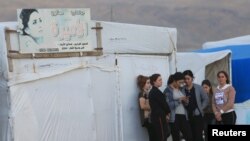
column 199, row 62
column 117, row 38
column 145, row 65
column 243, row 112
column 4, row 111
column 81, row 104
column 4, row 95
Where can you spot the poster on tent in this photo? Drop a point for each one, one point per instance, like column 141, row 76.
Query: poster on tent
column 54, row 30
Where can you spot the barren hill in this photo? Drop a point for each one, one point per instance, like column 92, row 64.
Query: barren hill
column 197, row 21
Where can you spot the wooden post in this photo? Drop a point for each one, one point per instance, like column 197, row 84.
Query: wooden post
column 7, row 38
column 98, row 29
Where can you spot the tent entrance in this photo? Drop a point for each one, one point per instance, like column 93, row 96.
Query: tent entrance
column 213, row 68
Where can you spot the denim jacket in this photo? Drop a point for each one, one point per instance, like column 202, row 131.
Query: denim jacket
column 172, row 103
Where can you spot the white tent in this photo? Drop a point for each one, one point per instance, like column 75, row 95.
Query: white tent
column 204, row 65
column 242, row 40
column 89, row 98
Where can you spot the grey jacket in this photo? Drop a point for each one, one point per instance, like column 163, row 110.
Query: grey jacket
column 201, row 98
column 172, row 103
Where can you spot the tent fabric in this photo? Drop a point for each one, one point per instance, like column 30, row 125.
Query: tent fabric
column 69, row 110
column 4, row 92
column 240, row 66
column 118, row 38
column 242, row 40
column 240, row 48
column 88, row 98
column 213, row 68
column 128, row 96
column 83, row 98
column 198, row 63
column 240, row 52
column 4, row 111
column 243, row 112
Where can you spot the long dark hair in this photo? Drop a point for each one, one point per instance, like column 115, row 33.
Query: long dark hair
column 178, row 76
column 25, row 16
column 189, row 73
column 170, row 79
column 153, row 78
column 208, row 83
column 141, row 81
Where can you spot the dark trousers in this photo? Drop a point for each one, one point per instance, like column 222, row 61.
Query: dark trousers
column 209, row 119
column 160, row 128
column 228, row 118
column 196, row 123
column 181, row 125
column 150, row 129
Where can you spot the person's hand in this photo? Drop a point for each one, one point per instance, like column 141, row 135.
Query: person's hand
column 168, row 117
column 184, row 99
column 218, row 116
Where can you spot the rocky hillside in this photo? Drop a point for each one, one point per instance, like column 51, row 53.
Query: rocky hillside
column 197, row 21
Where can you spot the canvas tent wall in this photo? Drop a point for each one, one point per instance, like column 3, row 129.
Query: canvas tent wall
column 204, row 65
column 87, row 98
column 240, row 48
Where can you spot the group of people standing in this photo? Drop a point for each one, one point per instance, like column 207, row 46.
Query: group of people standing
column 187, row 108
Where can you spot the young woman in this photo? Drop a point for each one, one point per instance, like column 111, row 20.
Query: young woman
column 198, row 101
column 143, row 83
column 208, row 111
column 223, row 100
column 32, row 27
column 176, row 100
column 159, row 108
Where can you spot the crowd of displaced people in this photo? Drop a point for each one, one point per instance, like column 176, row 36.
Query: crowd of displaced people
column 184, row 109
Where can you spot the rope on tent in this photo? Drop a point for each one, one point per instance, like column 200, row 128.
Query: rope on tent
column 174, row 51
column 119, row 119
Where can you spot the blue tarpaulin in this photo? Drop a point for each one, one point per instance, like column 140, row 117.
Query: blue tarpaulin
column 240, row 69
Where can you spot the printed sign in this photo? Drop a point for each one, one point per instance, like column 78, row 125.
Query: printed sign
column 54, row 30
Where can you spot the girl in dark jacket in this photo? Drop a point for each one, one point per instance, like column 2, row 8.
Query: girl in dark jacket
column 198, row 101
column 159, row 108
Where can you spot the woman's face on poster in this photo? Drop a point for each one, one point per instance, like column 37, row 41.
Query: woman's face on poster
column 35, row 23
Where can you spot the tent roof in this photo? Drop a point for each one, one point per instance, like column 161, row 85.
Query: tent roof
column 240, row 46
column 126, row 38
column 238, row 51
column 242, row 40
column 197, row 62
